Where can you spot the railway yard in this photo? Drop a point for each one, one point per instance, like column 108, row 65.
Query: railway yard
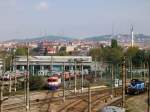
column 94, row 98
column 46, row 101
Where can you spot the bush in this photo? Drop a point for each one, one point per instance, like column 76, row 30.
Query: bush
column 37, row 83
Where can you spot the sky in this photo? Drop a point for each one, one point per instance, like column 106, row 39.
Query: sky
column 72, row 18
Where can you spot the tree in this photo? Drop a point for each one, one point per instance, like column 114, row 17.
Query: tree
column 62, row 49
column 21, row 51
column 37, row 82
column 96, row 53
column 114, row 43
column 131, row 52
column 139, row 58
column 113, row 55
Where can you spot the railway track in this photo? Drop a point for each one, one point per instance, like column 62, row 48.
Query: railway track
column 78, row 101
column 81, row 104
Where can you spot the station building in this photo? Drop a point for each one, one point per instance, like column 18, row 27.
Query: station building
column 47, row 65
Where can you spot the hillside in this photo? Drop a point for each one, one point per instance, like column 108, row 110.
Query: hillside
column 50, row 38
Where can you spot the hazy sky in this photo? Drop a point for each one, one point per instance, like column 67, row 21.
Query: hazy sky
column 75, row 18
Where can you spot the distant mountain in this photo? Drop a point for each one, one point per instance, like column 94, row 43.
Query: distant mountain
column 137, row 37
column 99, row 38
column 50, row 38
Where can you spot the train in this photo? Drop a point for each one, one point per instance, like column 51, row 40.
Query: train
column 136, row 87
column 54, row 82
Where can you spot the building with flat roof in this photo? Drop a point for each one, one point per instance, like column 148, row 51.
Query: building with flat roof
column 50, row 64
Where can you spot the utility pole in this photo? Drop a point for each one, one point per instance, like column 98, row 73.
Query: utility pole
column 148, row 104
column 15, row 69
column 131, row 69
column 1, row 95
column 10, row 82
column 69, row 74
column 82, row 75
column 27, row 83
column 51, row 64
column 123, row 84
column 112, row 81
column 63, row 82
column 2, row 87
column 89, row 99
column 75, row 77
column 95, row 69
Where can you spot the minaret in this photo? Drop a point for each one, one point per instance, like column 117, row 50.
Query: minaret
column 132, row 37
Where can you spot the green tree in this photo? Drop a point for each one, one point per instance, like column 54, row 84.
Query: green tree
column 114, row 43
column 62, row 51
column 113, row 55
column 139, row 58
column 37, row 82
column 96, row 53
column 131, row 52
column 21, row 51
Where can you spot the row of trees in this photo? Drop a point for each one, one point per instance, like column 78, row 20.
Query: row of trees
column 115, row 53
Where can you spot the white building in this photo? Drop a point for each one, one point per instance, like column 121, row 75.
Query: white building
column 52, row 63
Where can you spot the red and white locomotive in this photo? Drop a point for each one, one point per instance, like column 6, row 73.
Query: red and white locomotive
column 54, row 82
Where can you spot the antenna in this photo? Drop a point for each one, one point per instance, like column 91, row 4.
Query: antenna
column 132, row 36
column 112, row 35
